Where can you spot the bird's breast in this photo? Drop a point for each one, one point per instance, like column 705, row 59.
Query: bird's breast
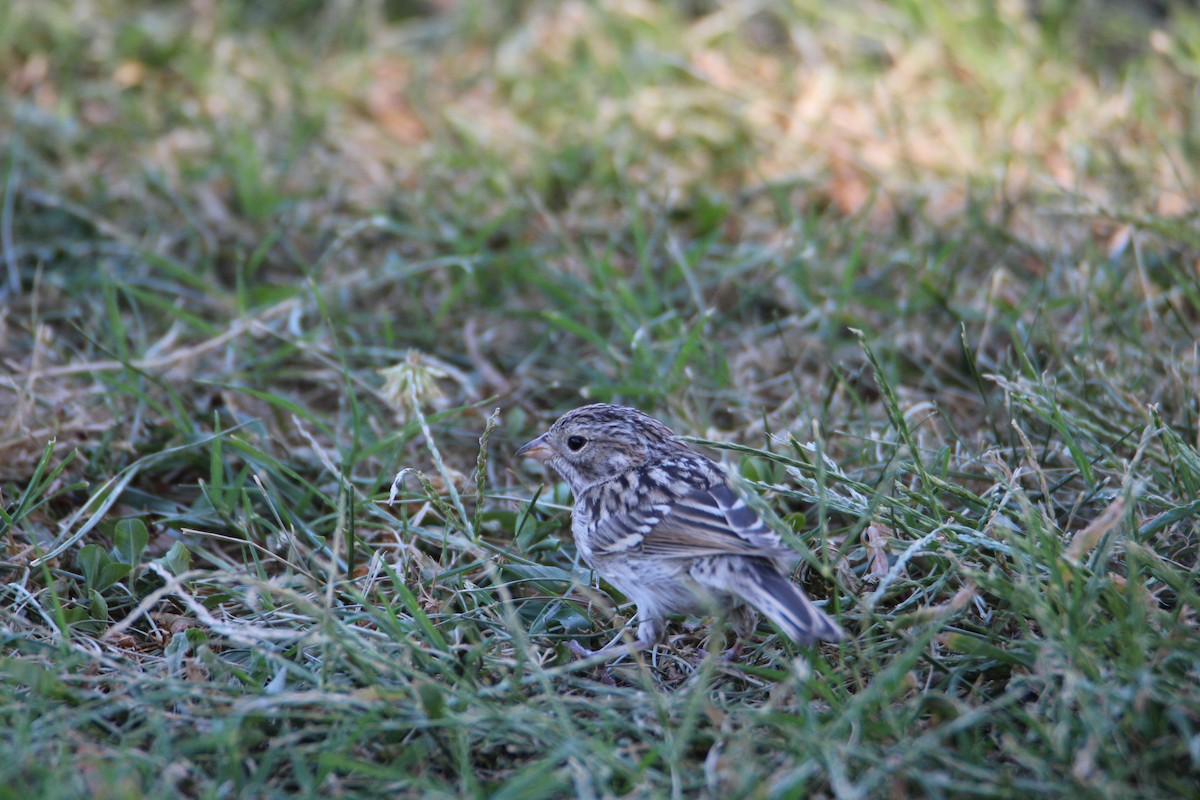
column 583, row 523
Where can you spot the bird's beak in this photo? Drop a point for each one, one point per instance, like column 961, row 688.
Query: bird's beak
column 536, row 449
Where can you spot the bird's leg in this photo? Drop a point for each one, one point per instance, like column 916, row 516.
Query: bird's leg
column 650, row 632
column 744, row 620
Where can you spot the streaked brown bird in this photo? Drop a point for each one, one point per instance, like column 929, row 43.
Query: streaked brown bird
column 662, row 523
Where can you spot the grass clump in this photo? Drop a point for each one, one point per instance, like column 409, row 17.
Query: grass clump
column 923, row 275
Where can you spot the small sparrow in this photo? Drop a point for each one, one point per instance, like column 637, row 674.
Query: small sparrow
column 661, row 523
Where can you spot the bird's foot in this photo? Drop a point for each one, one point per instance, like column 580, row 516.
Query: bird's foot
column 613, row 649
column 731, row 655
column 580, row 652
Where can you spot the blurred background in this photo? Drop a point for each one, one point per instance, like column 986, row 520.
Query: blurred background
column 681, row 203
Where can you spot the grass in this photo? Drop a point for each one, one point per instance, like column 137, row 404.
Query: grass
column 924, row 275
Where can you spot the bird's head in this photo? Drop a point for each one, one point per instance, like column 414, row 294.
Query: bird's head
column 594, row 443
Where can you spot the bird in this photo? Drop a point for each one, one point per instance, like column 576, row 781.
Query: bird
column 664, row 525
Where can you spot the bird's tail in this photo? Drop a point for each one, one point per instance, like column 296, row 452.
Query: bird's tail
column 759, row 582
column 785, row 604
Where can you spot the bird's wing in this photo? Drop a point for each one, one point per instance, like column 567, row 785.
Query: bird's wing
column 711, row 520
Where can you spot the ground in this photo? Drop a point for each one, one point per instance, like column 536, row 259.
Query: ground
column 926, row 276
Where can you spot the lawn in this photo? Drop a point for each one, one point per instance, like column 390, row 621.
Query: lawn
column 286, row 285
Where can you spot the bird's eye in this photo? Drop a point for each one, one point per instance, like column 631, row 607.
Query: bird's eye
column 576, row 442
